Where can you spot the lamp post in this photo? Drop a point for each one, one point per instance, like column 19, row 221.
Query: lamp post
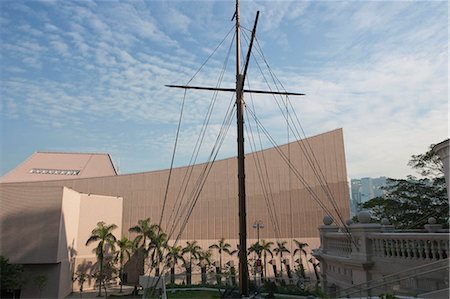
column 258, row 224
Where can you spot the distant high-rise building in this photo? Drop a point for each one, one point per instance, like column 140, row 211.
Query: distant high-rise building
column 364, row 189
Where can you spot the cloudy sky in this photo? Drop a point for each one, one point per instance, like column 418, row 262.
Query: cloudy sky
column 86, row 76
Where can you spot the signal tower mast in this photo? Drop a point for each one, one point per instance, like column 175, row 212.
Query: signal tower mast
column 239, row 90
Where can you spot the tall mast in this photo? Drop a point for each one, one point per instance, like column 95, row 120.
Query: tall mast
column 239, row 90
column 243, row 267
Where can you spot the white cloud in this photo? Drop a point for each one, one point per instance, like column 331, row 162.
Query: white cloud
column 60, row 47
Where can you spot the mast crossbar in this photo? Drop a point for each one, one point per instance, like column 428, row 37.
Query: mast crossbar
column 234, row 90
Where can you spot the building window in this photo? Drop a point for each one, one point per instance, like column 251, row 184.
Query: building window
column 54, row 171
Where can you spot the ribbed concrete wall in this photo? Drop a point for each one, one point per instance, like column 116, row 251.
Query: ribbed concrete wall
column 29, row 223
column 215, row 214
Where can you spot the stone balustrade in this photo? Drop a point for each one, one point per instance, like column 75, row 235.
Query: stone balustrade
column 424, row 246
column 339, row 244
column 355, row 257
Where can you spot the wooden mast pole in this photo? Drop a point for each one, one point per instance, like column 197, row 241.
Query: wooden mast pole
column 239, row 90
column 243, row 265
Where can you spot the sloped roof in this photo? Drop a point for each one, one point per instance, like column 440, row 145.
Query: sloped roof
column 50, row 166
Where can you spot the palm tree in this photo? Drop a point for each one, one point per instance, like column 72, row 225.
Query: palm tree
column 193, row 249
column 174, row 254
column 301, row 249
column 103, row 235
column 281, row 247
column 222, row 246
column 204, row 257
column 40, row 281
column 265, row 248
column 256, row 248
column 157, row 244
column 125, row 247
column 145, row 231
column 315, row 266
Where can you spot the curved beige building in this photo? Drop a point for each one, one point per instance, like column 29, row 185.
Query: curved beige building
column 33, row 194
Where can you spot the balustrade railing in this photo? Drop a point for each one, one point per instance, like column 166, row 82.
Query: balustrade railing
column 378, row 250
column 338, row 244
column 424, row 246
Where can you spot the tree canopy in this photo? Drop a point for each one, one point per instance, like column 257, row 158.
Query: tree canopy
column 408, row 203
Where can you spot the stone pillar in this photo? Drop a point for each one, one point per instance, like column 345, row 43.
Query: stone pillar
column 432, row 226
column 362, row 247
column 326, row 228
column 386, row 226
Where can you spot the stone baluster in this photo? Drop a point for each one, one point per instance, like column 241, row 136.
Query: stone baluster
column 444, row 249
column 439, row 250
column 397, row 248
column 394, row 248
column 422, row 254
column 402, row 249
column 427, row 249
column 417, row 249
column 390, row 248
column 385, row 248
column 410, row 246
column 434, row 250
column 410, row 249
column 375, row 244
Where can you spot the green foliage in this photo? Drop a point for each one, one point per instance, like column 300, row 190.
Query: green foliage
column 144, row 231
column 256, row 248
column 174, row 254
column 428, row 164
column 300, row 270
column 158, row 243
column 125, row 247
column 193, row 249
column 222, row 246
column 103, row 235
column 270, row 287
column 11, row 275
column 408, row 203
column 266, row 249
column 316, row 266
column 204, row 256
column 279, row 250
column 388, row 296
column 194, row 294
column 40, row 281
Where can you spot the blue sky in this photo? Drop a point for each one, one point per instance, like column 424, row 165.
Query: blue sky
column 86, row 76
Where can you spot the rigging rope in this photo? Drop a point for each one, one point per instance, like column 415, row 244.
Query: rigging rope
column 171, row 162
column 211, row 159
column 267, row 194
column 316, row 169
column 189, row 170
